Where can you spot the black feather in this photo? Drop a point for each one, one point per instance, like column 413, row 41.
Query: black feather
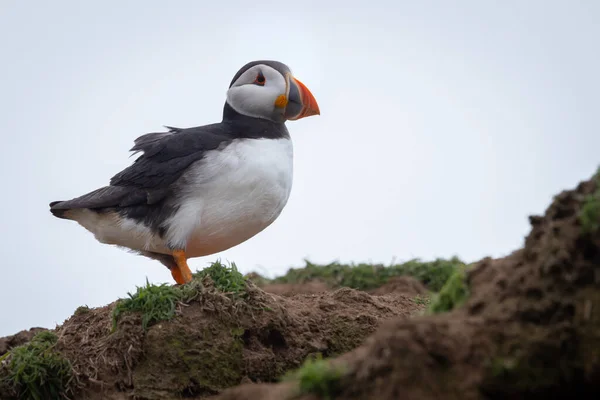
column 58, row 213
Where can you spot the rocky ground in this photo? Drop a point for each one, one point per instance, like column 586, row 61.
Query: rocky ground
column 523, row 326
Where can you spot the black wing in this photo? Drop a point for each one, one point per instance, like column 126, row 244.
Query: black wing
column 166, row 155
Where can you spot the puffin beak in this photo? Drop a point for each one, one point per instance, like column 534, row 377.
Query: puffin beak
column 301, row 102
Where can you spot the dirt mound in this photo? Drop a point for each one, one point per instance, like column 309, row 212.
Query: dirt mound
column 530, row 328
column 292, row 289
column 406, row 285
column 19, row 338
column 214, row 341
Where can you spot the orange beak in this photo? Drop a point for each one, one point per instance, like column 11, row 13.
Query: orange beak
column 301, row 102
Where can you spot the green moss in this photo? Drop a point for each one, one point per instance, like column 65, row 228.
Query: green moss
column 319, row 377
column 237, row 332
column 453, row 293
column 589, row 216
column 369, row 276
column 190, row 363
column 209, row 367
column 36, row 371
column 159, row 302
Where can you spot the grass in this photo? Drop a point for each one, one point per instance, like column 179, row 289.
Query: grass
column 159, row 302
column 370, row 276
column 155, row 302
column 453, row 294
column 318, row 377
column 227, row 279
column 589, row 216
column 82, row 310
column 36, row 371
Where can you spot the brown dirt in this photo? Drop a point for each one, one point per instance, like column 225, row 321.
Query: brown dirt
column 406, row 285
column 292, row 289
column 215, row 342
column 529, row 330
column 19, row 338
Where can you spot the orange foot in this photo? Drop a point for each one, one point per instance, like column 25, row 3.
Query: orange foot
column 181, row 273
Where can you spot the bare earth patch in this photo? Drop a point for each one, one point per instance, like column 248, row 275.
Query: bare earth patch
column 406, row 285
column 292, row 289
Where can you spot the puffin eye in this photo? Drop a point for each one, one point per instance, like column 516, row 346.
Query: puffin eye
column 260, row 79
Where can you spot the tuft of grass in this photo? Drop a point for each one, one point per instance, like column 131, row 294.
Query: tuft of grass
column 159, row 302
column 364, row 276
column 226, row 278
column 82, row 310
column 589, row 216
column 155, row 302
column 319, row 377
column 36, row 371
column 453, row 294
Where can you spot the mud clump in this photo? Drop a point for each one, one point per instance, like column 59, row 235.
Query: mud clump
column 406, row 285
column 18, row 339
column 214, row 341
column 529, row 327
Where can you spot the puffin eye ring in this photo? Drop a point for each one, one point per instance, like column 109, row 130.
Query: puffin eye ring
column 260, row 79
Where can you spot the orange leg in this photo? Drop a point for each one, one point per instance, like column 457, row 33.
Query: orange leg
column 181, row 273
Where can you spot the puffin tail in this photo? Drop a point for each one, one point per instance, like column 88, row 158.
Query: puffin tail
column 58, row 212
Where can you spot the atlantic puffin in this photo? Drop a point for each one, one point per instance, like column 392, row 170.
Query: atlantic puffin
column 198, row 191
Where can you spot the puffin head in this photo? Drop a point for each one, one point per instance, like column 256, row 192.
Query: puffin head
column 268, row 90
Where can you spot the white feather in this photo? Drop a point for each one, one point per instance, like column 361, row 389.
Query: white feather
column 110, row 228
column 231, row 195
column 234, row 194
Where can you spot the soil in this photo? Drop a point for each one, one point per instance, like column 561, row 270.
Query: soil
column 530, row 328
column 292, row 289
column 215, row 342
column 406, row 285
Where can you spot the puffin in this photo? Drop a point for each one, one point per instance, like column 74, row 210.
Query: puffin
column 197, row 191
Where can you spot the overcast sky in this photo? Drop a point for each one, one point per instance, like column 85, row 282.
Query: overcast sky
column 443, row 126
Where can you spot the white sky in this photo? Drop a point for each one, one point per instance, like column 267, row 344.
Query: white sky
column 443, row 126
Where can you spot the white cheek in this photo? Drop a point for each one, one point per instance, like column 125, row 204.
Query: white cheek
column 253, row 100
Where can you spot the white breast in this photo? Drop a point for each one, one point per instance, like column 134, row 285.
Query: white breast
column 232, row 194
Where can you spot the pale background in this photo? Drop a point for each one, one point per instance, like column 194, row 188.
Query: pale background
column 443, row 126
